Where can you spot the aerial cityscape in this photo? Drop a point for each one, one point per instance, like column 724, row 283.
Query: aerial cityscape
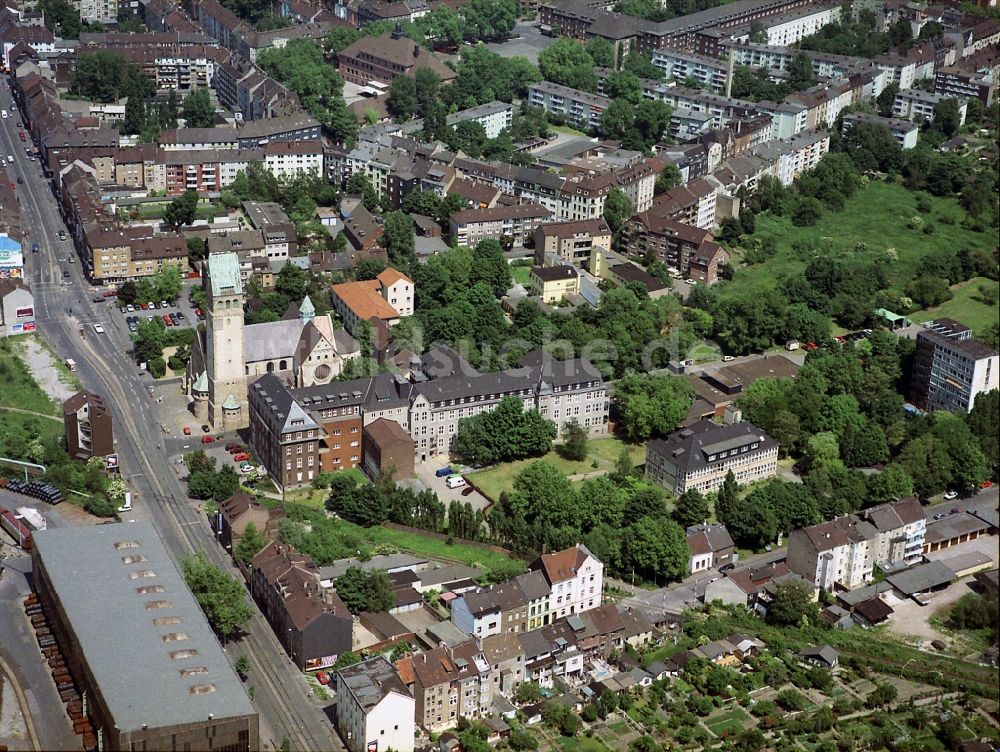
column 470, row 375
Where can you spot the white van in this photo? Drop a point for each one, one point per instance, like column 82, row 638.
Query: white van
column 455, row 481
column 127, row 506
column 4, row 114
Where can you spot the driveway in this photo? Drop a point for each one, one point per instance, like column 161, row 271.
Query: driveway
column 425, row 473
column 912, row 621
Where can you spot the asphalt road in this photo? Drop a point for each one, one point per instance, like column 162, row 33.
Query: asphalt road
column 103, row 366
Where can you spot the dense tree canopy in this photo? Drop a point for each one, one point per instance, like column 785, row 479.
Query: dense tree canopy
column 506, row 433
column 221, row 597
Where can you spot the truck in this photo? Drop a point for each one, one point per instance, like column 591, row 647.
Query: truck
column 71, row 364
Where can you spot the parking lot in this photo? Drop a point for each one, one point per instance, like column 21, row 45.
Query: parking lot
column 179, row 314
column 527, row 42
column 425, row 472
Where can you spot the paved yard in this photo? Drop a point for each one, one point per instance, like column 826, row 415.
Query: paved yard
column 911, row 620
column 527, row 42
column 425, row 474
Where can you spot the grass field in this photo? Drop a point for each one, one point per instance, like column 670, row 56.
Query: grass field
column 730, row 722
column 965, row 306
column 522, row 274
column 424, row 545
column 316, row 497
column 877, row 216
column 602, row 451
column 568, row 131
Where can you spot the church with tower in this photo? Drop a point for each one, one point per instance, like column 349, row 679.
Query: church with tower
column 302, row 349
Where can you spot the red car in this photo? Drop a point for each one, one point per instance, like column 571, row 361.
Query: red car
column 811, row 346
column 187, row 430
column 167, row 321
column 241, row 457
column 207, row 439
column 986, row 484
column 232, row 446
column 322, row 677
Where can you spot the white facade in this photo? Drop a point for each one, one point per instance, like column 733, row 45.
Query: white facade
column 375, row 713
column 293, row 164
column 399, row 295
column 580, row 592
column 788, row 29
column 915, row 104
column 709, row 72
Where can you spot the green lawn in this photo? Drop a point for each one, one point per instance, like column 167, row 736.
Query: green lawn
column 965, row 306
column 567, row 130
column 316, row 497
column 603, row 451
column 424, row 545
column 522, row 274
column 580, row 744
column 729, row 722
column 876, row 216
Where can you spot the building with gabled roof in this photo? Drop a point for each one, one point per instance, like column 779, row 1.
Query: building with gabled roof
column 710, row 546
column 838, row 554
column 901, row 527
column 383, row 58
column 311, row 622
column 576, row 580
column 88, row 426
column 388, row 297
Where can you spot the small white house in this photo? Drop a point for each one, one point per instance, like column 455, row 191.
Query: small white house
column 375, row 710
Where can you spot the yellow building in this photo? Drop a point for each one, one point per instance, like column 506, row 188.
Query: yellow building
column 553, row 283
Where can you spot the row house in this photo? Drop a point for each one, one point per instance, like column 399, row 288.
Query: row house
column 311, row 622
column 962, row 83
column 519, row 222
column 688, row 249
column 165, row 16
column 294, row 158
column 793, row 156
column 901, row 527
column 130, row 253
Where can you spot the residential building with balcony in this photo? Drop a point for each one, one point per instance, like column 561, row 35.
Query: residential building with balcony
column 470, row 226
column 574, row 242
column 578, row 108
column 918, row 105
column 901, row 527
column 88, row 425
column 688, row 250
column 835, row 555
column 950, row 369
column 905, row 132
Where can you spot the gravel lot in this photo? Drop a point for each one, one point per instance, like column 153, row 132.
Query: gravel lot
column 43, row 368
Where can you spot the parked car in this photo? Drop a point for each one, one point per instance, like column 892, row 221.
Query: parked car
column 245, row 468
column 940, row 515
column 205, row 428
column 468, row 490
column 241, row 457
column 443, row 472
column 949, row 495
column 187, row 430
column 986, row 484
column 455, row 481
column 207, row 439
column 232, row 446
column 167, row 321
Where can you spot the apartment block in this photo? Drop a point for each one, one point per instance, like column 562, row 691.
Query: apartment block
column 282, row 435
column 710, row 73
column 835, row 555
column 918, row 105
column 388, row 298
column 578, row 108
column 470, row 226
column 901, row 527
column 688, row 250
column 961, row 83
column 311, row 622
column 518, row 605
column 573, row 242
column 88, row 426
column 904, row 131
column 375, row 710
column 449, row 683
column 495, row 117
column 950, row 369
column 701, row 456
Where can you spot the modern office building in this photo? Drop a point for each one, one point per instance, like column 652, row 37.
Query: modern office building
column 950, row 369
column 137, row 644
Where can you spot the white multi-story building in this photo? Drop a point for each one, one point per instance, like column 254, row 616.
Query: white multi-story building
column 950, row 369
column 375, row 710
column 579, row 108
column 293, row 158
column 702, row 455
column 918, row 105
column 901, row 527
column 904, row 131
column 792, row 27
column 495, row 117
column 98, row 11
column 576, row 578
column 709, row 72
column 835, row 554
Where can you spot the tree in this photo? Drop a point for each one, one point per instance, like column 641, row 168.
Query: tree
column 601, row 52
column 947, row 117
column 221, row 597
column 61, row 18
column 656, row 546
column 242, row 665
column 669, row 177
column 489, row 265
column 617, row 209
column 574, row 442
column 522, row 740
column 250, row 544
column 128, row 293
column 359, row 185
column 104, row 76
column 506, row 433
column 168, row 282
column 806, row 212
column 402, row 100
column 886, row 99
column 528, row 692
column 728, row 498
column 182, row 210
column 792, row 605
column 652, row 405
column 618, row 120
column 489, row 19
column 399, row 240
column 691, row 508
column 365, row 591
column 198, row 109
column 566, row 62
